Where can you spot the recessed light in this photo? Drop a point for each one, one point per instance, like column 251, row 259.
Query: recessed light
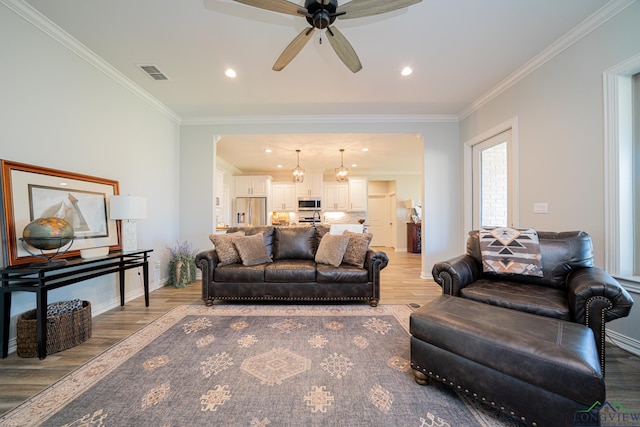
column 231, row 73
column 354, row 165
column 406, row 71
column 365, row 149
column 279, row 166
column 267, row 150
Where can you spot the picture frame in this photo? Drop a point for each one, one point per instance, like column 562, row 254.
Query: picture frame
column 30, row 192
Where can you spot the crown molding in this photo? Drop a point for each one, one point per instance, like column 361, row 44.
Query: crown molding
column 38, row 20
column 594, row 21
column 373, row 118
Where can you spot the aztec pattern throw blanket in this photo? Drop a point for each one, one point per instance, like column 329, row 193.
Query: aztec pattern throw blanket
column 510, row 251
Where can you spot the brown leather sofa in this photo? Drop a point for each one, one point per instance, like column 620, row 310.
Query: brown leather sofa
column 571, row 288
column 293, row 275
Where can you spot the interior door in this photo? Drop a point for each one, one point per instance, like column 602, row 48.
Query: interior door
column 379, row 220
column 492, row 182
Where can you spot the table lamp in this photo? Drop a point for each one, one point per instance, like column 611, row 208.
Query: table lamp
column 128, row 209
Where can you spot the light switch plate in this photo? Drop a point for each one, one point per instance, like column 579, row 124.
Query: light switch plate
column 541, row 208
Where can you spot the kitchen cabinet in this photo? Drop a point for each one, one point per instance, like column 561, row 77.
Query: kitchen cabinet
column 283, row 197
column 311, row 187
column 252, row 186
column 358, row 194
column 414, row 238
column 336, row 197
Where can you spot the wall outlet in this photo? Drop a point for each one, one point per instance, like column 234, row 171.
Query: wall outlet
column 541, row 208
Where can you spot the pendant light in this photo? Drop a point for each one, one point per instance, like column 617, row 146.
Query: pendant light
column 342, row 173
column 298, row 172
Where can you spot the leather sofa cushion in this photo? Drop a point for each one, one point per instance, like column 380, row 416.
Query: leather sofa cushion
column 560, row 254
column 295, row 243
column 292, row 270
column 549, row 353
column 239, row 273
column 540, row 300
column 343, row 274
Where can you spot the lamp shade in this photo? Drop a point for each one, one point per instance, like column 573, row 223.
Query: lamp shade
column 127, row 207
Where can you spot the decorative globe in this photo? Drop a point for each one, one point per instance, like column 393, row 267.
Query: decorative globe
column 48, row 233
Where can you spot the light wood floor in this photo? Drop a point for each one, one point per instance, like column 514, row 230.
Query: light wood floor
column 401, row 284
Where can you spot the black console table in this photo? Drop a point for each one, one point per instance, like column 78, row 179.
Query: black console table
column 45, row 277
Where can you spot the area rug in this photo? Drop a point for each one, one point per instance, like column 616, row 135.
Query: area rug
column 255, row 366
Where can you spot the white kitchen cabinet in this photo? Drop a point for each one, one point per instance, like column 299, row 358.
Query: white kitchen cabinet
column 252, row 186
column 283, row 197
column 336, row 196
column 311, row 187
column 358, row 194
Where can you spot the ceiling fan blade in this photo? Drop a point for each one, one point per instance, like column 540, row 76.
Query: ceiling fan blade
column 362, row 8
column 293, row 49
column 343, row 49
column 281, row 6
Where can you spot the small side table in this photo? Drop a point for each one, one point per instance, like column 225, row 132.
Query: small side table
column 43, row 278
column 414, row 237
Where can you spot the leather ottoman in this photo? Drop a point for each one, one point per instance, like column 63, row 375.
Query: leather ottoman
column 542, row 371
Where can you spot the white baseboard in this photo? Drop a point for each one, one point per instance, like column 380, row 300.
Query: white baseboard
column 624, row 342
column 97, row 309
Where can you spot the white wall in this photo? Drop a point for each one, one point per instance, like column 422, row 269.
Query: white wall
column 58, row 111
column 560, row 116
column 442, row 176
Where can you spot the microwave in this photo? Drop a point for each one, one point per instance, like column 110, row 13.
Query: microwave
column 309, row 204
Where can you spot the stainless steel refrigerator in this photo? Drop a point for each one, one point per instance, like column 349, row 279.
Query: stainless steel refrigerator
column 250, row 211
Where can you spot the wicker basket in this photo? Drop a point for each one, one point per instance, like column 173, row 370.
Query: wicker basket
column 63, row 331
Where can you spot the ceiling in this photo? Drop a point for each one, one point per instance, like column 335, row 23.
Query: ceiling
column 459, row 51
column 387, row 154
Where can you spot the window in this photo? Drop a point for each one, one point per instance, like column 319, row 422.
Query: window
column 635, row 174
column 491, row 177
column 622, row 176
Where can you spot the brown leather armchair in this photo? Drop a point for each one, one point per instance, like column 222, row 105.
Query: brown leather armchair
column 571, row 287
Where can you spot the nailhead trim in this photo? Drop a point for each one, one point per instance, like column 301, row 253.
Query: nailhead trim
column 293, row 298
column 603, row 313
column 466, row 390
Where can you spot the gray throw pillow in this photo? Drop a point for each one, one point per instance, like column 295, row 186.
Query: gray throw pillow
column 331, row 249
column 357, row 248
column 226, row 250
column 252, row 249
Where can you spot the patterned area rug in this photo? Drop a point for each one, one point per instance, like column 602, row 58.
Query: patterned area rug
column 246, row 365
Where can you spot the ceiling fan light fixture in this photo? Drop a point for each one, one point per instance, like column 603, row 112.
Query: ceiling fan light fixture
column 298, row 172
column 342, row 173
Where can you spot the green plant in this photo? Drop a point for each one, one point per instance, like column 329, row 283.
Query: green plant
column 182, row 265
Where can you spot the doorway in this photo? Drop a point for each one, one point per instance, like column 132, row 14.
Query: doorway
column 491, row 178
column 382, row 213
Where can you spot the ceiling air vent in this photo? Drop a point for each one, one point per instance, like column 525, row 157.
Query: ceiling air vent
column 153, row 72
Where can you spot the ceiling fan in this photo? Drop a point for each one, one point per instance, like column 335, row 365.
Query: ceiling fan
column 321, row 14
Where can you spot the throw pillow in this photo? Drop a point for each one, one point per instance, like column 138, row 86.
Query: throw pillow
column 331, row 249
column 226, row 250
column 508, row 250
column 252, row 249
column 357, row 248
